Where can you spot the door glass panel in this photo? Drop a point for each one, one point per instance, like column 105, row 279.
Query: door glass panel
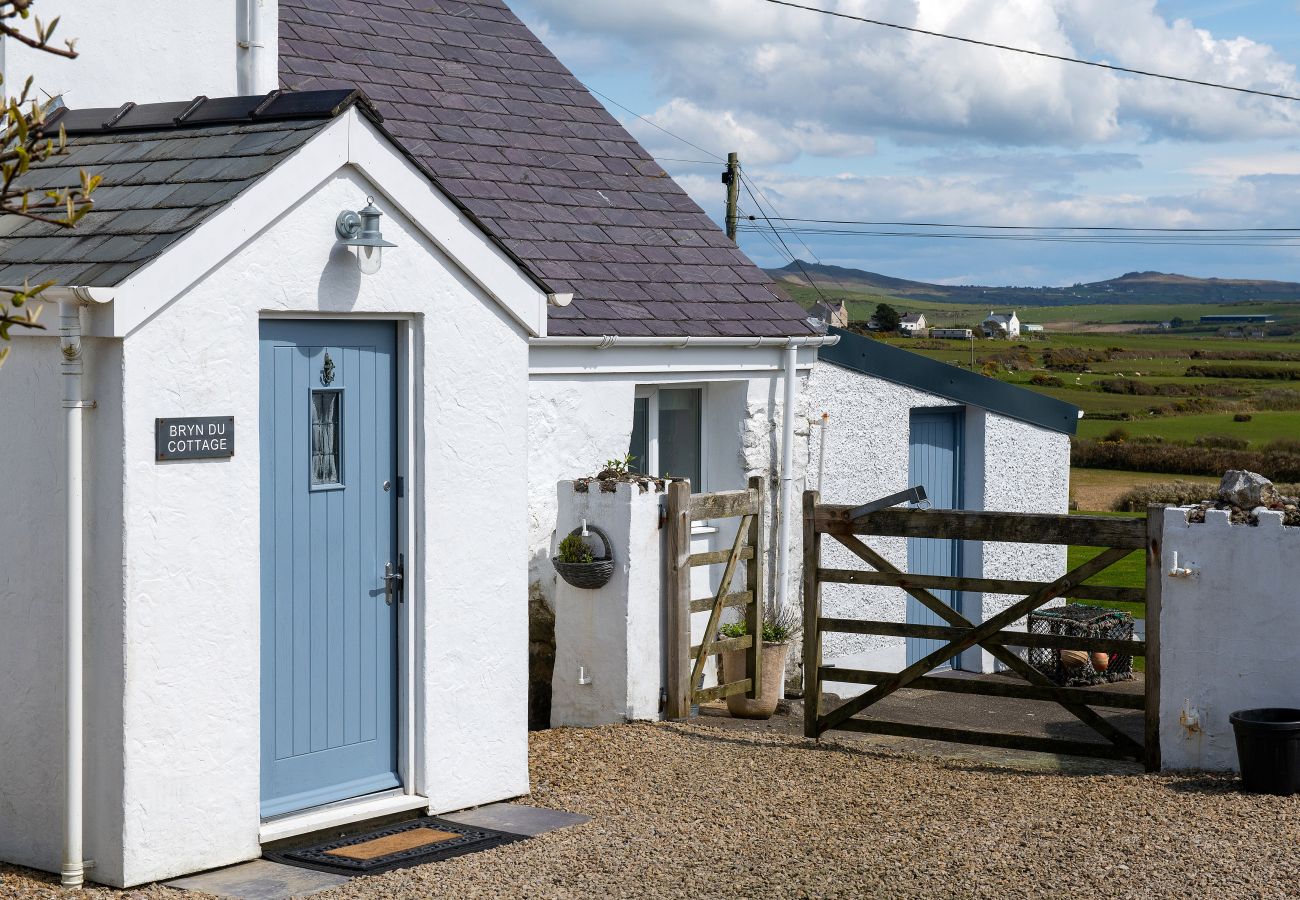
column 679, row 434
column 640, row 449
column 325, row 437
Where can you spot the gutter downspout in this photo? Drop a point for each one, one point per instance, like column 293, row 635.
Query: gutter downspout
column 787, row 477
column 74, row 865
column 250, row 46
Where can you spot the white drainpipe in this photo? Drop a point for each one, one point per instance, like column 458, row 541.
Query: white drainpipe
column 787, row 476
column 250, row 47
column 74, row 868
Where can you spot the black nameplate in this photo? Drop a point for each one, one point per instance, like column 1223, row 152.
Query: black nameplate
column 199, row 437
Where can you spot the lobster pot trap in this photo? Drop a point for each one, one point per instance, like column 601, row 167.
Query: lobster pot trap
column 1077, row 668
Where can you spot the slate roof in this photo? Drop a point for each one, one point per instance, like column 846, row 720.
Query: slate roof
column 510, row 133
column 167, row 167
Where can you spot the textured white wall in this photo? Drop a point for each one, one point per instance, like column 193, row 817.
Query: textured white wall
column 188, row 691
column 1228, row 634
column 1009, row 466
column 31, row 602
column 614, row 632
column 143, row 51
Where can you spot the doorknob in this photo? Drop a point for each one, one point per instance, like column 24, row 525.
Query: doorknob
column 393, row 580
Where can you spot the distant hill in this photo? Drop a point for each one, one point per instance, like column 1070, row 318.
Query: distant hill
column 1130, row 288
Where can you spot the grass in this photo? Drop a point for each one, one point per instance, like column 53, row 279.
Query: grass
column 1262, row 428
column 1131, row 571
column 1097, row 489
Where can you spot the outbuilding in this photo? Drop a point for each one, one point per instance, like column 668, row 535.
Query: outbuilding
column 893, row 419
column 294, row 377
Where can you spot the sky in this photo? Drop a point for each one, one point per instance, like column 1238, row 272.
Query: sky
column 839, row 120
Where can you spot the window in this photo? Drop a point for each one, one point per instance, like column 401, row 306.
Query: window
column 667, row 434
column 325, row 442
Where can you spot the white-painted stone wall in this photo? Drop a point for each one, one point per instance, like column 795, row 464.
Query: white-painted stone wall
column 1009, row 466
column 173, row 593
column 1228, row 632
column 31, row 599
column 578, row 421
column 613, row 634
column 146, row 51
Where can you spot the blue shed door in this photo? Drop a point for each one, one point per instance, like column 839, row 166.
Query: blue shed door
column 935, row 461
column 329, row 503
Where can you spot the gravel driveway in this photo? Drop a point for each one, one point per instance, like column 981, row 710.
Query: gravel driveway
column 697, row 811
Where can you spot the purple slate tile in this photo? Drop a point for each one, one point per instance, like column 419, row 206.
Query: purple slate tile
column 475, row 96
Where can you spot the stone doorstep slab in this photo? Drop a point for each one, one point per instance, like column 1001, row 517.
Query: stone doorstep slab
column 516, row 818
column 260, row 879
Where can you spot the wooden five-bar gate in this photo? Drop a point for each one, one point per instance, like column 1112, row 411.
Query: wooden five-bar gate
column 686, row 662
column 1118, row 536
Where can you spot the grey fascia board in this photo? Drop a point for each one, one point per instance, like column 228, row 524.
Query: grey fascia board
column 880, row 360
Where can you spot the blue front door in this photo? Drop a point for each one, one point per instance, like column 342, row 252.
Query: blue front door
column 935, row 461
column 329, row 503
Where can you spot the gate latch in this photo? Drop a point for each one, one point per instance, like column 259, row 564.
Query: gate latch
column 393, row 578
column 911, row 495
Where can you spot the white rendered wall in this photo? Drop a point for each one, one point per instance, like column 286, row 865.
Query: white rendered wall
column 183, row 763
column 31, row 602
column 144, row 51
column 1227, row 634
column 1009, row 465
column 613, row 633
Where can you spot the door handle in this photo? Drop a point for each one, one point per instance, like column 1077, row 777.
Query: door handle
column 393, row 580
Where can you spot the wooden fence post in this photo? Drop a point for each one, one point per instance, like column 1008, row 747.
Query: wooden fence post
column 678, row 598
column 1155, row 572
column 812, row 638
column 754, row 582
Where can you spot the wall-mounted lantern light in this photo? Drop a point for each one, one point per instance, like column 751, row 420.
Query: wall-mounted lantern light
column 360, row 229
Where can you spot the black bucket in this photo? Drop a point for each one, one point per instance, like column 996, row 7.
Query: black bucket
column 1268, row 748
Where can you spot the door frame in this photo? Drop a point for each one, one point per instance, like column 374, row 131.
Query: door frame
column 410, row 692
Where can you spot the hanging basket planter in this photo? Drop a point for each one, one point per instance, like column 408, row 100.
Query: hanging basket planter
column 590, row 575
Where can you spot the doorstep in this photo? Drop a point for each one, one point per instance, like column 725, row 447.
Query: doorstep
column 338, row 814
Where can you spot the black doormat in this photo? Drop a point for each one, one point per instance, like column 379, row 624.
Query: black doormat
column 411, row 843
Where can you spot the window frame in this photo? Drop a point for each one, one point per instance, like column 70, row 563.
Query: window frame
column 650, row 392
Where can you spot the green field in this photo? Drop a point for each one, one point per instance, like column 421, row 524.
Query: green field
column 1262, row 428
column 862, row 305
column 1131, row 571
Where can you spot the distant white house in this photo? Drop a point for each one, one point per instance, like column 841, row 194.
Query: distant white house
column 963, row 334
column 999, row 323
column 912, row 324
column 1032, row 329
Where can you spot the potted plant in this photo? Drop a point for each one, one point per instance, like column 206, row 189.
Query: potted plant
column 779, row 630
column 578, row 564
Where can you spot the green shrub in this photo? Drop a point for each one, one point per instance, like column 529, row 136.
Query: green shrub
column 784, row 626
column 1279, row 399
column 1261, row 372
column 1182, row 460
column 1116, row 435
column 1221, row 442
column 1242, row 417
column 574, row 550
column 1043, row 380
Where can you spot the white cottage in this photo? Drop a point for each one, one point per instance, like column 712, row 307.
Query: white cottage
column 296, row 467
column 553, row 300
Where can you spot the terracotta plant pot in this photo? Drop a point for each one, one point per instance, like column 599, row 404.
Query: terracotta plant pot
column 734, row 669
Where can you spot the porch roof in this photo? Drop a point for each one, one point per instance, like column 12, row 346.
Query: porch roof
column 166, row 168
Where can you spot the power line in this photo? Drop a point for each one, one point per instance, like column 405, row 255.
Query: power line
column 798, row 262
column 1039, row 53
column 651, row 122
column 778, row 216
column 1122, row 228
column 1244, row 241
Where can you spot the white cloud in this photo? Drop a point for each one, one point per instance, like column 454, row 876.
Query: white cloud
column 758, row 68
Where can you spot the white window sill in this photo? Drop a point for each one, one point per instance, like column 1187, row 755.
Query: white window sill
column 697, row 530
